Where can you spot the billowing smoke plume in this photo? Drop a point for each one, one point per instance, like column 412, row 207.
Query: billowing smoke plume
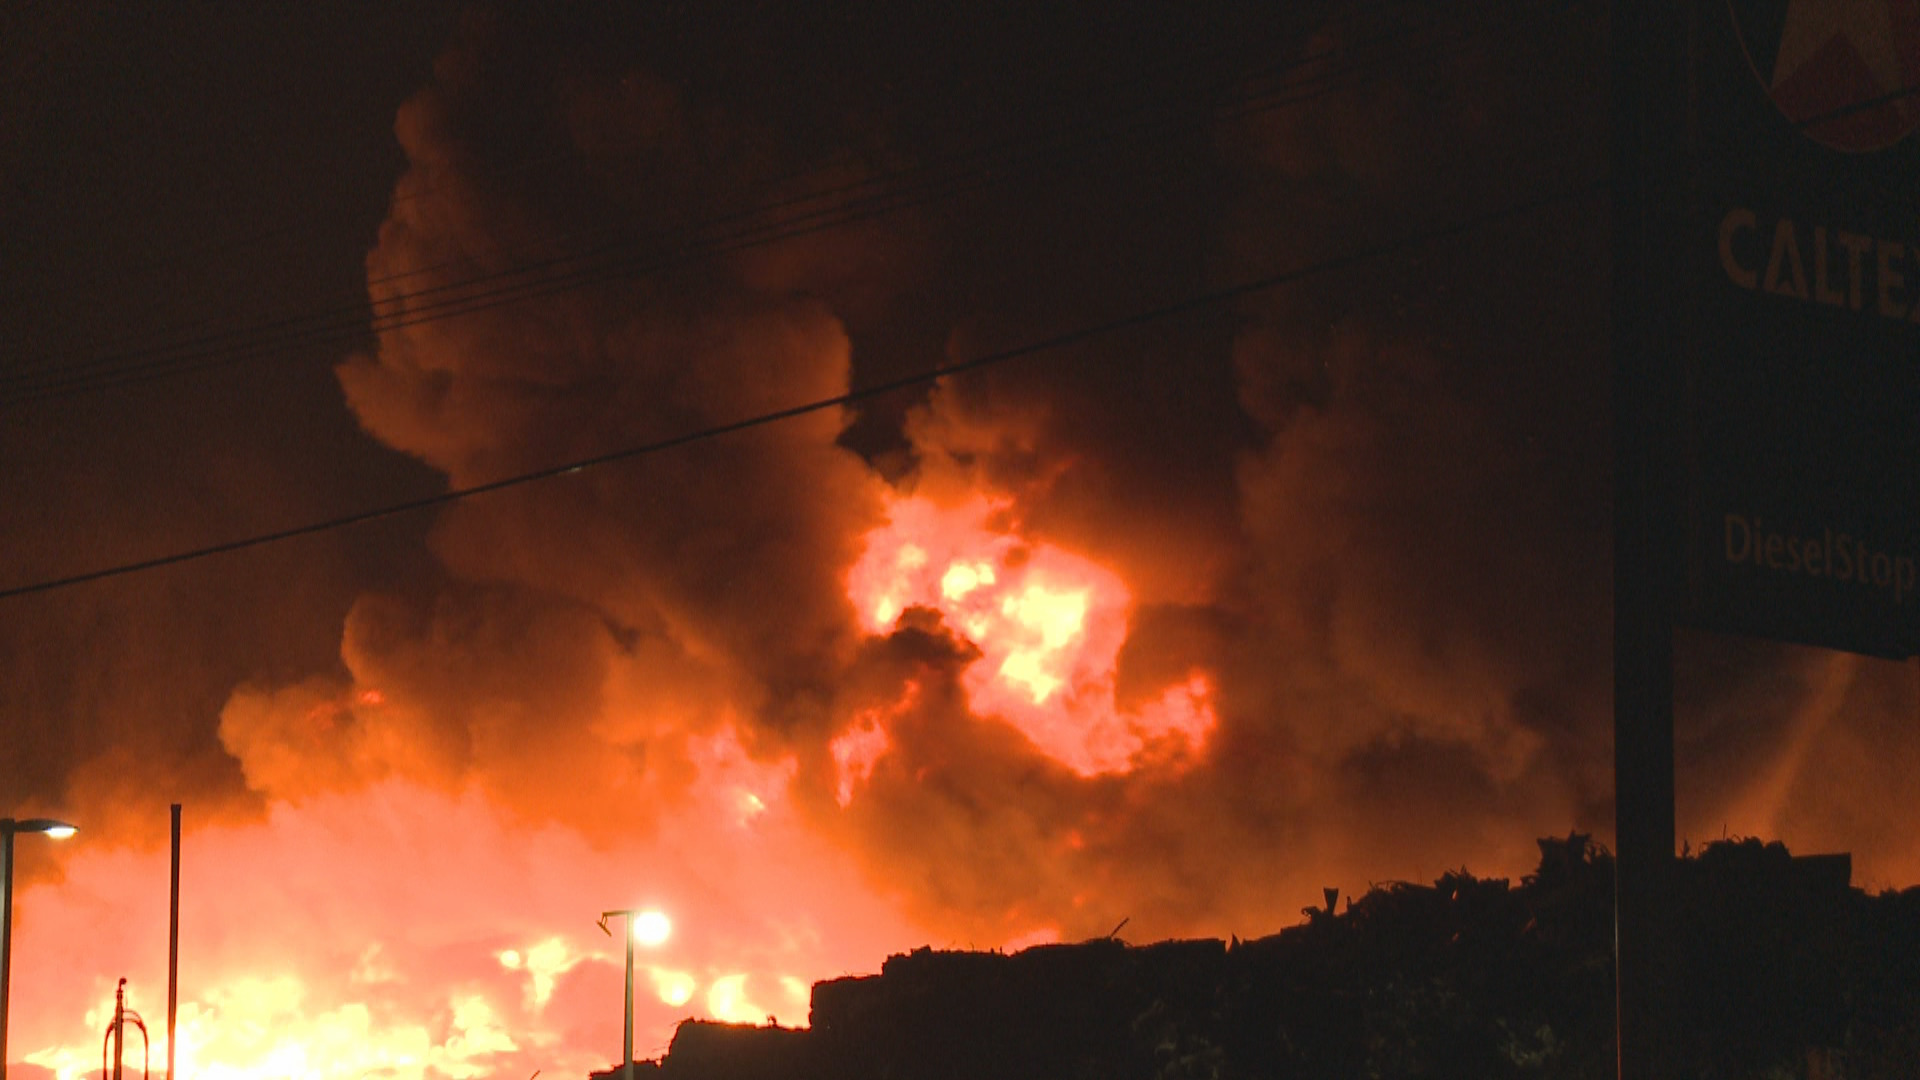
column 1369, row 513
column 1174, row 622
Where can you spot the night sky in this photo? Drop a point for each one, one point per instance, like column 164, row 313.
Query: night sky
column 1343, row 539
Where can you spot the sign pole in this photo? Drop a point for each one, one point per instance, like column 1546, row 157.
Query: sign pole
column 173, row 941
column 1765, row 319
column 1648, row 47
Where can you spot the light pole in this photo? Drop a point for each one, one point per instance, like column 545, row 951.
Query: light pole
column 650, row 926
column 59, row 830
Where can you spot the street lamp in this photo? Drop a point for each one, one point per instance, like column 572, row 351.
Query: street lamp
column 648, row 927
column 59, row 830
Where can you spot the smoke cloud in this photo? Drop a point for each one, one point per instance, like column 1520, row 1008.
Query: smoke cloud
column 1359, row 526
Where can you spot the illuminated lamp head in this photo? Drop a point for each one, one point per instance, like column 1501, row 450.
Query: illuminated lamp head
column 59, row 830
column 651, row 928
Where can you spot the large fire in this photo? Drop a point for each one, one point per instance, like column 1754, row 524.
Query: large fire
column 1167, row 621
column 403, row 930
column 405, row 933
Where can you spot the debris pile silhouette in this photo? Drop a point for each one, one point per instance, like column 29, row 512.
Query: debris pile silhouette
column 1790, row 972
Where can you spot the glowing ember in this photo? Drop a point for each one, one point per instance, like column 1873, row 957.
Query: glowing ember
column 1049, row 625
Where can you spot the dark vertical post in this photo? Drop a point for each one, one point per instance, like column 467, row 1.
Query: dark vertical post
column 119, row 1027
column 1649, row 69
column 173, row 941
column 6, row 941
column 626, row 1059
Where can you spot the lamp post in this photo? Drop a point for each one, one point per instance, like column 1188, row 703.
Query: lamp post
column 59, row 830
column 654, row 927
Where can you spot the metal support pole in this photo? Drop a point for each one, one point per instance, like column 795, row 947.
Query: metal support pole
column 1650, row 44
column 119, row 1027
column 6, row 944
column 58, row 830
column 626, row 1061
column 173, row 941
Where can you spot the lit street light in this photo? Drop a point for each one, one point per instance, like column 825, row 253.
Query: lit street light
column 650, row 928
column 59, row 830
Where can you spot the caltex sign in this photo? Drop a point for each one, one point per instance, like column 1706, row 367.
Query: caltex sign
column 1798, row 278
column 1841, row 71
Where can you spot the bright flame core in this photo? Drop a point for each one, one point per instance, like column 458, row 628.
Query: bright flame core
column 1048, row 624
column 454, row 946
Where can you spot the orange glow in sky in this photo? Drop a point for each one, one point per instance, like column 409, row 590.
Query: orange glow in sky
column 416, row 931
column 414, row 934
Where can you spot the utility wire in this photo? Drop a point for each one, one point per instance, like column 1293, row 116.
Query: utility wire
column 1173, row 66
column 590, row 262
column 1189, row 305
column 867, row 199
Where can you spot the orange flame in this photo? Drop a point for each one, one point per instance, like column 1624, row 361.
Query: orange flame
column 413, row 933
column 414, row 930
column 859, row 749
column 1048, row 624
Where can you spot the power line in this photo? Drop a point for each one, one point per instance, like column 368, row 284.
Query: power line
column 1198, row 302
column 591, row 262
column 1171, row 67
column 863, row 200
